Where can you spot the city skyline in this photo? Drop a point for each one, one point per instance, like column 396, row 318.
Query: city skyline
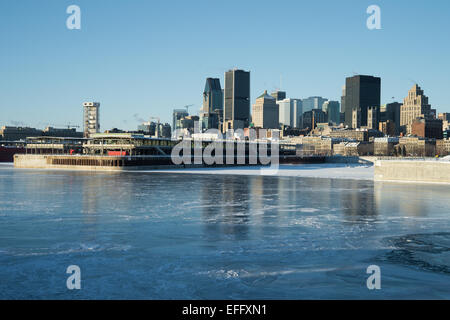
column 47, row 79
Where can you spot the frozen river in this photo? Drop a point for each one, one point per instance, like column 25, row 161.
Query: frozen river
column 307, row 234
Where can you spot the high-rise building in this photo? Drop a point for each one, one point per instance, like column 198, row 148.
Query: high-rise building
column 212, row 109
column 177, row 115
column 361, row 92
column 343, row 101
column 91, row 118
column 290, row 112
column 236, row 98
column 415, row 105
column 391, row 111
column 312, row 103
column 279, row 95
column 331, row 108
column 265, row 112
column 212, row 96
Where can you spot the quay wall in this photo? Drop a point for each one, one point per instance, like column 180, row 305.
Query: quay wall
column 44, row 162
column 412, row 171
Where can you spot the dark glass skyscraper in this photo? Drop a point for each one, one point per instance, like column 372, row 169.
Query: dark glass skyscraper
column 212, row 96
column 361, row 92
column 237, row 96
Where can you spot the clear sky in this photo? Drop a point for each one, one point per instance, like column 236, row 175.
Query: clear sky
column 142, row 58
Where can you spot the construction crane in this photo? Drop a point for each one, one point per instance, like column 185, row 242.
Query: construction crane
column 69, row 126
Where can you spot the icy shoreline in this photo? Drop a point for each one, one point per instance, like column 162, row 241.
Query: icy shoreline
column 323, row 170
column 326, row 170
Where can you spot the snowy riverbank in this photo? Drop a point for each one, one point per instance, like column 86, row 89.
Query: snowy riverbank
column 322, row 170
column 326, row 170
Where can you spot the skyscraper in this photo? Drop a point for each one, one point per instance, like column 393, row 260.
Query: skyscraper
column 265, row 112
column 331, row 108
column 290, row 112
column 91, row 118
column 212, row 110
column 212, row 96
column 236, row 97
column 415, row 105
column 361, row 92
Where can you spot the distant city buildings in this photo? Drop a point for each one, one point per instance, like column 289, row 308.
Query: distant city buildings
column 61, row 132
column 9, row 133
column 187, row 123
column 388, row 128
column 236, row 111
column 265, row 112
column 360, row 93
column 427, row 128
column 177, row 115
column 154, row 129
column 148, row 128
column 357, row 125
column 91, row 118
column 313, row 117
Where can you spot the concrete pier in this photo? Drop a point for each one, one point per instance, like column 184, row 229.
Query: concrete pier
column 431, row 171
column 67, row 162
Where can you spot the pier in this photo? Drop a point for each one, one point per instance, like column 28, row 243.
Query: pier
column 115, row 152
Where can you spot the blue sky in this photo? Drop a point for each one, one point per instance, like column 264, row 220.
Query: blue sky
column 145, row 58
